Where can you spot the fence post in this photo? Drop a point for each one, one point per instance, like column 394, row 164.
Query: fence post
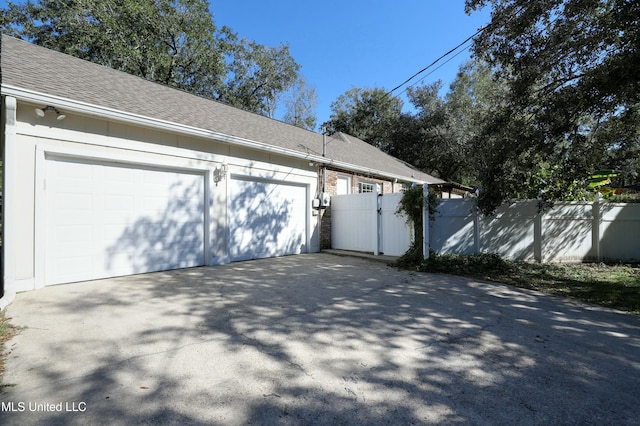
column 378, row 221
column 476, row 227
column 538, row 231
column 595, row 228
column 425, row 221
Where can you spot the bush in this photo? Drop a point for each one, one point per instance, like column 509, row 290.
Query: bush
column 475, row 264
column 461, row 264
column 412, row 258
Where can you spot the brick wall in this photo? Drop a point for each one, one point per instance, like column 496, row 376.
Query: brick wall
column 332, row 182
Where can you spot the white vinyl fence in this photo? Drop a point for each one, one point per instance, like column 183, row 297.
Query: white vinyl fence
column 368, row 222
column 569, row 232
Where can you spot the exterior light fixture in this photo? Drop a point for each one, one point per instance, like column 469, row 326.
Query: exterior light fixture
column 220, row 173
column 40, row 112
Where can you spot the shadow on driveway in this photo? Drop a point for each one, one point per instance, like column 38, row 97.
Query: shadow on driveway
column 315, row 339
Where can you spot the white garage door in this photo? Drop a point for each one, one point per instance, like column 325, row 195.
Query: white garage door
column 266, row 219
column 105, row 220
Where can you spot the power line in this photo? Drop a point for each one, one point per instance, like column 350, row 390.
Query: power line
column 433, row 70
column 436, row 61
column 516, row 13
column 430, row 65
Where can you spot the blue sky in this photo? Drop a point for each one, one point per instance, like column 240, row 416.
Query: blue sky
column 342, row 44
column 356, row 43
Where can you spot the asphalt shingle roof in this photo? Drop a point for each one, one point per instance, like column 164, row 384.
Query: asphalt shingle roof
column 40, row 70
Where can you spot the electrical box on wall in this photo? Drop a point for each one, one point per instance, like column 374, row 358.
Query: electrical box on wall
column 325, row 199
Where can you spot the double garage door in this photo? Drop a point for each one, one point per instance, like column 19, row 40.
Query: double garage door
column 104, row 219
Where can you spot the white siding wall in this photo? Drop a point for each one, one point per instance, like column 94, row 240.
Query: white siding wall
column 31, row 138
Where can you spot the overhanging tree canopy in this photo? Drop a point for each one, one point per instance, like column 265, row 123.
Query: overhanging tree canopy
column 173, row 42
column 571, row 70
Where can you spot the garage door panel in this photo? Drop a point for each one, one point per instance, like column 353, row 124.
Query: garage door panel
column 73, row 233
column 73, row 268
column 118, row 202
column 118, row 220
column 267, row 219
column 119, row 174
column 75, row 217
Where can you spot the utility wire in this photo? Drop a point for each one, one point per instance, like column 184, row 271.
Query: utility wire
column 522, row 8
column 329, row 141
column 436, row 61
column 433, row 70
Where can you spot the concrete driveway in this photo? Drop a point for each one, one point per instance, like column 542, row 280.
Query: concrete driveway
column 315, row 339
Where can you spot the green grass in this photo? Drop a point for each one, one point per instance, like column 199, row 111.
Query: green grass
column 612, row 285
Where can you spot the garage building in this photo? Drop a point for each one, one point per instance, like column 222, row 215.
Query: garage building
column 107, row 174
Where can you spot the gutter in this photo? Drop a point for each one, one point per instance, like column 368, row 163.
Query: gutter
column 110, row 113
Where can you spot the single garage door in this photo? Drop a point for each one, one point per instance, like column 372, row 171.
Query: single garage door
column 266, row 218
column 105, row 219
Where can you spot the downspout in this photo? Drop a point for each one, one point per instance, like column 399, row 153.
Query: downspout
column 322, row 211
column 324, row 165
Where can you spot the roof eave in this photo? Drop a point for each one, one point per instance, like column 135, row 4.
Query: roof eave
column 140, row 120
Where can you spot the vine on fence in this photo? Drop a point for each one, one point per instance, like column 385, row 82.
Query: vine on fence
column 411, row 205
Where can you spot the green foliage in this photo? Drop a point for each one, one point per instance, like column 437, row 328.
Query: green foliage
column 173, row 42
column 300, row 106
column 612, row 197
column 600, row 178
column 621, row 135
column 486, row 133
column 366, row 114
column 412, row 257
column 257, row 75
column 441, row 133
column 412, row 204
column 570, row 100
column 482, row 264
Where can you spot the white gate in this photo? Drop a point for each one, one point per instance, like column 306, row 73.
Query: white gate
column 368, row 222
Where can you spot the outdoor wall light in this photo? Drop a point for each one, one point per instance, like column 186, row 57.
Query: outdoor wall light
column 220, row 173
column 40, row 112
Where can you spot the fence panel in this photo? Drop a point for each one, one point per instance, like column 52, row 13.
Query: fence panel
column 569, row 232
column 453, row 230
column 620, row 232
column 510, row 232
